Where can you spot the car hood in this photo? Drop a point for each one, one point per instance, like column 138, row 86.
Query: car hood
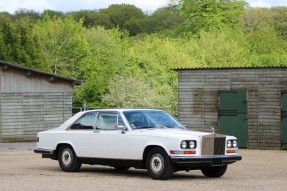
column 170, row 133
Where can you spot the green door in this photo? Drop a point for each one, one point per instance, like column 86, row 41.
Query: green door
column 233, row 115
column 284, row 119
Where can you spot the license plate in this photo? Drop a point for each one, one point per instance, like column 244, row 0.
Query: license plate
column 217, row 162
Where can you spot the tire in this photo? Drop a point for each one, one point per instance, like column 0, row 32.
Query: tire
column 158, row 164
column 214, row 172
column 68, row 159
column 121, row 168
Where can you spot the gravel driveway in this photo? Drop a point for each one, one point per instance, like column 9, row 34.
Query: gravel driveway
column 21, row 169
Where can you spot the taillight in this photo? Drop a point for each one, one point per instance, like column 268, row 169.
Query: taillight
column 37, row 140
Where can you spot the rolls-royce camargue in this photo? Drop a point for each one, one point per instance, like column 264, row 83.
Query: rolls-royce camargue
column 140, row 138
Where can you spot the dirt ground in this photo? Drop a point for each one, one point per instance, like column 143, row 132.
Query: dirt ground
column 23, row 170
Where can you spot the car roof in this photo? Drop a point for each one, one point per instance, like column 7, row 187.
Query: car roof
column 121, row 109
column 79, row 114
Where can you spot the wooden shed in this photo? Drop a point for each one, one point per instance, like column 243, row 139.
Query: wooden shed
column 31, row 101
column 249, row 103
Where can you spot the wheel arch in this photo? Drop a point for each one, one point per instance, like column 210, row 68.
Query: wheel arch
column 59, row 145
column 149, row 148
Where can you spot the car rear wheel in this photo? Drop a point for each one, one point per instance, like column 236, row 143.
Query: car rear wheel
column 215, row 171
column 158, row 164
column 68, row 159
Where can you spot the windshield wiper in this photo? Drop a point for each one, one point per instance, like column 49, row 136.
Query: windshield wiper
column 144, row 127
column 166, row 126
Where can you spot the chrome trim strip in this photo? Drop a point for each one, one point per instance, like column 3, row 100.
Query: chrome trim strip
column 205, row 159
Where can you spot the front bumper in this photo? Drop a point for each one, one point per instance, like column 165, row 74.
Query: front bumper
column 208, row 160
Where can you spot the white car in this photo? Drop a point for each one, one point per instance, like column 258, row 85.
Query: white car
column 140, row 138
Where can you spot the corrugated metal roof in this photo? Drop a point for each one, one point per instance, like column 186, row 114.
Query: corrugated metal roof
column 6, row 64
column 231, row 68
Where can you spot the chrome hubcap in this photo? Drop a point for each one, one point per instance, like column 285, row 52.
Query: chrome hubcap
column 157, row 163
column 67, row 157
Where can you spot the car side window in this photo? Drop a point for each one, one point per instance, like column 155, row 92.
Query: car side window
column 137, row 120
column 109, row 121
column 85, row 122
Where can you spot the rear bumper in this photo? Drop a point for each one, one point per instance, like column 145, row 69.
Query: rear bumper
column 43, row 151
column 213, row 160
column 46, row 153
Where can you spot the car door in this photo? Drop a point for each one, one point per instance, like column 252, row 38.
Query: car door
column 107, row 141
column 79, row 132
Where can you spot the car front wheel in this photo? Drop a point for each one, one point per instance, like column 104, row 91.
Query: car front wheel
column 158, row 164
column 215, row 171
column 68, row 159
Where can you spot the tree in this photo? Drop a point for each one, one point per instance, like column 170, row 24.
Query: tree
column 225, row 48
column 130, row 91
column 211, row 14
column 106, row 58
column 5, row 50
column 257, row 18
column 63, row 43
column 266, row 47
column 21, row 13
column 280, row 21
column 52, row 14
column 92, row 18
column 163, row 19
column 19, row 44
column 122, row 14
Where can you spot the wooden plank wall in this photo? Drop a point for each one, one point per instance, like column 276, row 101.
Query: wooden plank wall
column 25, row 114
column 198, row 100
column 17, row 81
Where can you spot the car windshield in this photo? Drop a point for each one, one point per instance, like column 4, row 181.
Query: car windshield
column 143, row 119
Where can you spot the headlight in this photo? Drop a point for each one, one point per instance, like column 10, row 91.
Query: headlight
column 229, row 144
column 192, row 144
column 187, row 144
column 183, row 145
column 234, row 143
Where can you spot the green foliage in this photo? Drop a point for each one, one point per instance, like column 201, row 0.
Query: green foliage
column 124, row 57
column 211, row 15
column 19, row 44
column 105, row 58
column 92, row 18
column 52, row 14
column 63, row 44
column 266, row 48
column 222, row 49
column 280, row 21
column 130, row 91
column 257, row 18
column 120, row 14
column 163, row 19
column 125, row 17
column 24, row 13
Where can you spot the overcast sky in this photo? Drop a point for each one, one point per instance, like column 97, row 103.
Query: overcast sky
column 75, row 5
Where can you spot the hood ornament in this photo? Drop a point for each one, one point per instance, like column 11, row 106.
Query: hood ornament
column 212, row 130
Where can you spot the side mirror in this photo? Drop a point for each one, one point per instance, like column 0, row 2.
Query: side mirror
column 122, row 128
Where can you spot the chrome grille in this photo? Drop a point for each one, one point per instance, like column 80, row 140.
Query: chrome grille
column 213, row 144
column 219, row 145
